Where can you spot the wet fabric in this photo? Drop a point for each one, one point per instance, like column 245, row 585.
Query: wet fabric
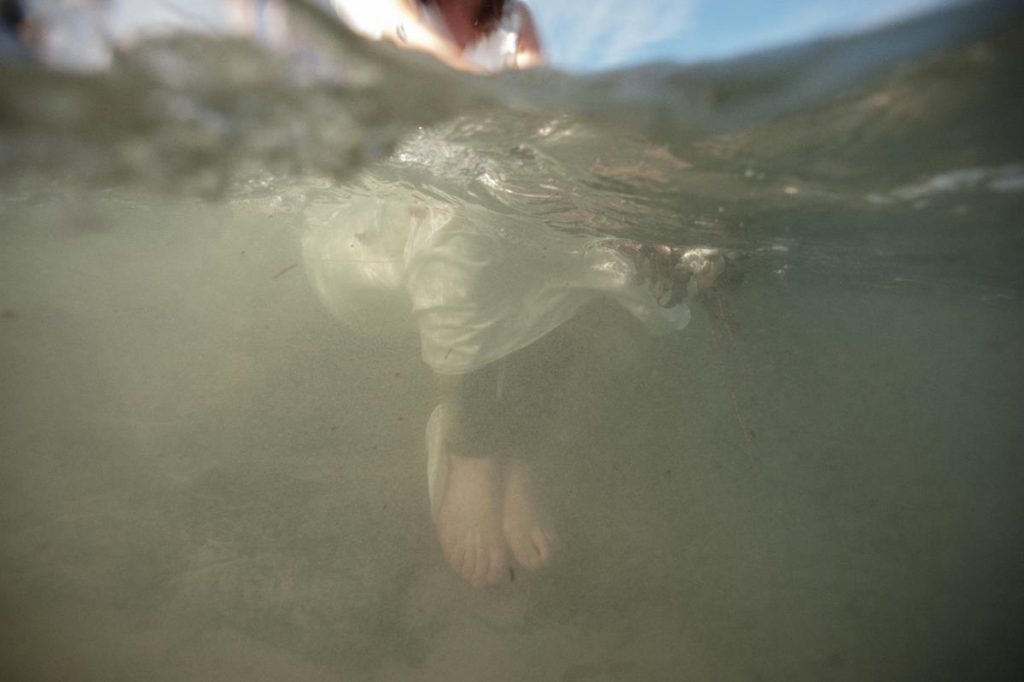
column 475, row 285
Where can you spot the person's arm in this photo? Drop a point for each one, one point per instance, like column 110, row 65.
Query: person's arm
column 529, row 52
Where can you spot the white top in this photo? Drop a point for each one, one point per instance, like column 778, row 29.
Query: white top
column 376, row 20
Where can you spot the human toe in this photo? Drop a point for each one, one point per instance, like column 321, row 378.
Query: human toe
column 497, row 564
column 544, row 543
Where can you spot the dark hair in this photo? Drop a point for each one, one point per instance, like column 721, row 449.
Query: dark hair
column 490, row 13
column 487, row 16
column 12, row 15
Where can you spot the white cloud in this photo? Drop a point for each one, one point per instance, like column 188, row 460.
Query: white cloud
column 595, row 34
column 801, row 21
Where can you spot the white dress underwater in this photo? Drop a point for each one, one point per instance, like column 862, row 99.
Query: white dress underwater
column 478, row 286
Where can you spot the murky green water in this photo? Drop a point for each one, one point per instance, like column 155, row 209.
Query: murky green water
column 205, row 476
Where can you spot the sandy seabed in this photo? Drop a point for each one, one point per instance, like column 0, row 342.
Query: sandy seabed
column 204, row 477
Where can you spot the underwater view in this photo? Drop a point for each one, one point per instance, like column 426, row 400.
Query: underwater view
column 440, row 348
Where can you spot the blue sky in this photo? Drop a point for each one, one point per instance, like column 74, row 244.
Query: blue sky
column 583, row 35
column 588, row 35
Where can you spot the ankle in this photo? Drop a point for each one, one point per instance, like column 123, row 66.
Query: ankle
column 487, row 464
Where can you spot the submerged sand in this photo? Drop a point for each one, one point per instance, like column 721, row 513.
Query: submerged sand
column 205, row 477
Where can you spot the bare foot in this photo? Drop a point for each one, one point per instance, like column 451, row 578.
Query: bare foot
column 468, row 522
column 526, row 528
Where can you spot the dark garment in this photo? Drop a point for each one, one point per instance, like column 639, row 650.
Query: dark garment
column 508, row 407
column 12, row 15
